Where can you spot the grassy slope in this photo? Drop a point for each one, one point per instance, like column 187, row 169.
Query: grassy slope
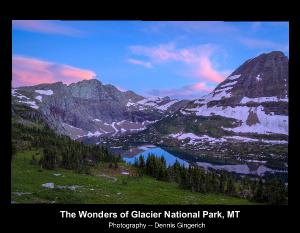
column 96, row 188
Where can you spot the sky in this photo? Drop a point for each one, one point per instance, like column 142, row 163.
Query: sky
column 179, row 59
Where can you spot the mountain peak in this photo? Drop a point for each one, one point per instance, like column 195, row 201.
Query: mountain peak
column 262, row 76
column 265, row 56
column 93, row 81
column 133, row 96
column 275, row 53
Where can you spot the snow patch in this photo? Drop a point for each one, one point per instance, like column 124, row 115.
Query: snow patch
column 44, row 92
column 258, row 78
column 222, row 89
column 153, row 102
column 130, row 104
column 263, row 99
column 149, row 122
column 139, row 129
column 244, row 139
column 39, row 97
column 167, row 105
column 31, row 104
column 255, row 161
column 18, row 95
column 113, row 125
column 229, row 84
column 146, row 147
column 121, row 122
column 182, row 136
column 275, row 141
column 234, row 77
column 95, row 134
column 268, row 123
column 13, row 91
column 193, row 138
column 184, row 112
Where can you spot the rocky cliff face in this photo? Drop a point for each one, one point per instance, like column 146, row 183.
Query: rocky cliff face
column 262, row 76
column 89, row 108
column 255, row 95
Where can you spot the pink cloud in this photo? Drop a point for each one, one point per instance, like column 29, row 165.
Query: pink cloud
column 205, row 69
column 45, row 26
column 201, row 87
column 198, row 59
column 31, row 71
column 139, row 62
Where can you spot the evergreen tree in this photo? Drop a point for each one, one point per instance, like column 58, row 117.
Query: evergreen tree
column 230, row 187
column 222, row 182
column 276, row 192
column 258, row 194
column 141, row 162
column 116, row 164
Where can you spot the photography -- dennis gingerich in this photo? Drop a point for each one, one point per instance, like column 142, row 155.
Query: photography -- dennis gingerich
column 157, row 225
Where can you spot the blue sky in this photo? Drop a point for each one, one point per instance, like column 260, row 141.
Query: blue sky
column 178, row 59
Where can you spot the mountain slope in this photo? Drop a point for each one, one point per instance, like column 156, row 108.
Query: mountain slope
column 89, row 108
column 255, row 96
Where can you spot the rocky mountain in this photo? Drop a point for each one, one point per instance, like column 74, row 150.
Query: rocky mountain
column 255, row 94
column 91, row 109
column 250, row 105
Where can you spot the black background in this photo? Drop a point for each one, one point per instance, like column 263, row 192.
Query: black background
column 252, row 218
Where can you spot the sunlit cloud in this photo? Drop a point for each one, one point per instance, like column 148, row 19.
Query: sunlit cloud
column 197, row 59
column 45, row 26
column 139, row 62
column 31, row 71
column 205, row 69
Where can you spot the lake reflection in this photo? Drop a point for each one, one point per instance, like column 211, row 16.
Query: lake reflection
column 170, row 159
column 255, row 169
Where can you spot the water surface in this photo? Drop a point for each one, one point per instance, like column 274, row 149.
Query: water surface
column 256, row 168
